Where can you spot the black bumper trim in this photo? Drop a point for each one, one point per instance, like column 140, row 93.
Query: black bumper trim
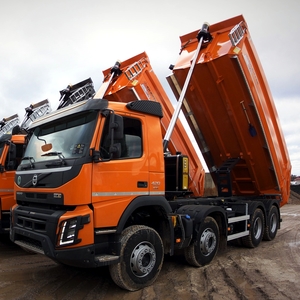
column 82, row 257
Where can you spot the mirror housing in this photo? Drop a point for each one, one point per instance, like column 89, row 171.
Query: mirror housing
column 95, row 155
column 116, row 127
column 115, row 150
column 11, row 157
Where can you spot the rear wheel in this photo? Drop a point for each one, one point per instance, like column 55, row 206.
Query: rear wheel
column 142, row 256
column 205, row 247
column 272, row 224
column 256, row 229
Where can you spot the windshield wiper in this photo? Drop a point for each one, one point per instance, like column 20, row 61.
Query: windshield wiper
column 56, row 153
column 31, row 161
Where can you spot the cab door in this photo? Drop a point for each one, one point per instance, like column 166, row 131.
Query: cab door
column 122, row 173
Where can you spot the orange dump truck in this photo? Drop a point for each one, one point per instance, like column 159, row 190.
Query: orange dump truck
column 11, row 150
column 12, row 147
column 99, row 187
column 232, row 114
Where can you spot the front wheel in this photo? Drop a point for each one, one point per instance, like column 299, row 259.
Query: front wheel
column 142, row 254
column 205, row 247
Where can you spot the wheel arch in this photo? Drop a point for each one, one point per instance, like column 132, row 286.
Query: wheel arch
column 199, row 212
column 152, row 211
column 253, row 205
column 268, row 203
column 265, row 205
column 272, row 219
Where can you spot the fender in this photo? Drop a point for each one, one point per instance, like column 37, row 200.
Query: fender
column 253, row 205
column 148, row 201
column 268, row 204
column 143, row 201
column 265, row 205
column 199, row 212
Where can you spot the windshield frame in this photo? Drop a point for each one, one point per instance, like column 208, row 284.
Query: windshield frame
column 68, row 138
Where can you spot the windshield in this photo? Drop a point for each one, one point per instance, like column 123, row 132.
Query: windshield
column 69, row 137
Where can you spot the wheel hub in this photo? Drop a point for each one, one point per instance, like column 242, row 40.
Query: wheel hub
column 208, row 241
column 143, row 259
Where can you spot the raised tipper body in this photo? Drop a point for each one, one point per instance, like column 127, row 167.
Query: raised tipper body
column 231, row 112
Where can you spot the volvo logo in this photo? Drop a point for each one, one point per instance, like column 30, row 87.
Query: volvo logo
column 34, row 180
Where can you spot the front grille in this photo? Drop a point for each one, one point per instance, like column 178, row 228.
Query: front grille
column 41, row 198
column 36, row 222
column 36, row 195
column 30, row 223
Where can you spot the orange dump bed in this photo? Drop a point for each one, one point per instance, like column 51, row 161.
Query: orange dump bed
column 139, row 82
column 229, row 107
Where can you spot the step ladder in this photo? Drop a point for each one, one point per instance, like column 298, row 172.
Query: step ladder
column 224, row 182
column 82, row 93
column 7, row 124
column 35, row 111
column 76, row 93
column 135, row 69
column 236, row 33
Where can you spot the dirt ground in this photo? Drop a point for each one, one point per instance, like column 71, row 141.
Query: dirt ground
column 270, row 271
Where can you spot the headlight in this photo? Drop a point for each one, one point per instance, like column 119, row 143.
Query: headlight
column 68, row 232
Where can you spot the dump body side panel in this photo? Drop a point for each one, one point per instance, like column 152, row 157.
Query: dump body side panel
column 231, row 112
column 138, row 82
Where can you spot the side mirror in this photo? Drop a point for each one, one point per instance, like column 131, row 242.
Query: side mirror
column 95, row 155
column 16, row 130
column 12, row 151
column 11, row 157
column 115, row 150
column 117, row 125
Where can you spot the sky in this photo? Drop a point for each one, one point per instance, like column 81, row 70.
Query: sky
column 46, row 45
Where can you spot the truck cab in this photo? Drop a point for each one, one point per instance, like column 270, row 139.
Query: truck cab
column 11, row 153
column 88, row 172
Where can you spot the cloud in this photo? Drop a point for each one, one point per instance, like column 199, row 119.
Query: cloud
column 288, row 110
column 48, row 44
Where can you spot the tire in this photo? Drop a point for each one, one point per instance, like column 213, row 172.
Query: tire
column 142, row 255
column 256, row 233
column 272, row 224
column 206, row 245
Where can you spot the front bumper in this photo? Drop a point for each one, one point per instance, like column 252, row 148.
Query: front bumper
column 36, row 231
